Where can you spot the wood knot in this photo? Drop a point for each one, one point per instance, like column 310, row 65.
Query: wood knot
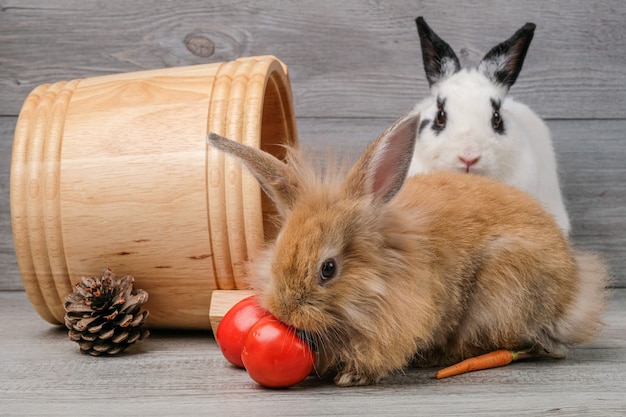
column 199, row 45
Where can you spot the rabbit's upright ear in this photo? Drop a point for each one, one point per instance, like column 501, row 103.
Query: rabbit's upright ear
column 504, row 62
column 275, row 177
column 439, row 59
column 381, row 170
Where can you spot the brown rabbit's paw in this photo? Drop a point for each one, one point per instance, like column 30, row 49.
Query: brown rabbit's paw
column 348, row 379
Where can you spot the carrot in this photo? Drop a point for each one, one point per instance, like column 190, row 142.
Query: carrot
column 486, row 361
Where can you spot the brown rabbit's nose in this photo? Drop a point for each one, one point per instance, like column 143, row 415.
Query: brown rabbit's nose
column 469, row 161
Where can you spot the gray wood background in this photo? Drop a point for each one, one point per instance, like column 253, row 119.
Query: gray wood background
column 355, row 66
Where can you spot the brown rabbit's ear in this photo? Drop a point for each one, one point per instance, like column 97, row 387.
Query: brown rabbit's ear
column 274, row 176
column 382, row 169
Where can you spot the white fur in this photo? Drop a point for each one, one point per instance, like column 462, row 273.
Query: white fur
column 523, row 157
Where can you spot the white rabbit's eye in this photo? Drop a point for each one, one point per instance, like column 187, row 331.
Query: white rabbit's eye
column 496, row 117
column 441, row 119
column 496, row 121
column 328, row 270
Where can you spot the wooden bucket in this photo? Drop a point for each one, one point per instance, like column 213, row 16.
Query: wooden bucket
column 114, row 171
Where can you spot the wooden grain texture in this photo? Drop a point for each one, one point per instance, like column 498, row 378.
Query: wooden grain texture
column 348, row 59
column 182, row 373
column 9, row 275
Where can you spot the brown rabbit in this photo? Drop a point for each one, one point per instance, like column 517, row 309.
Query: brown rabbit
column 380, row 273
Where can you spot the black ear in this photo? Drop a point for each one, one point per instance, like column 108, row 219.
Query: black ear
column 504, row 62
column 440, row 61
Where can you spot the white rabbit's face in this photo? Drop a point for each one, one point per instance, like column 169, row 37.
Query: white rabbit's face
column 464, row 128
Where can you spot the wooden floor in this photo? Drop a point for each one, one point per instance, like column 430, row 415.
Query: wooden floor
column 354, row 67
column 176, row 374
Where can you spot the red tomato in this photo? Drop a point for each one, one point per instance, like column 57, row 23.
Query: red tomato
column 275, row 356
column 234, row 327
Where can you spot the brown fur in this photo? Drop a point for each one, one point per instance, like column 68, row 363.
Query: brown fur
column 454, row 266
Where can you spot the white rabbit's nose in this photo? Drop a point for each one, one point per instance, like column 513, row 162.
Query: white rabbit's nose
column 469, row 160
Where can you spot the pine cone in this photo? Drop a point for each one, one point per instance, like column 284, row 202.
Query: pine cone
column 102, row 314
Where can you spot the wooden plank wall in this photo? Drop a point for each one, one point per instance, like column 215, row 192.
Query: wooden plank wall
column 355, row 66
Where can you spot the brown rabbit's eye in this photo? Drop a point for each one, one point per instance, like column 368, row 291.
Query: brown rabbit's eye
column 328, row 270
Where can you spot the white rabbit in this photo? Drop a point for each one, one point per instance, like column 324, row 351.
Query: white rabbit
column 469, row 124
